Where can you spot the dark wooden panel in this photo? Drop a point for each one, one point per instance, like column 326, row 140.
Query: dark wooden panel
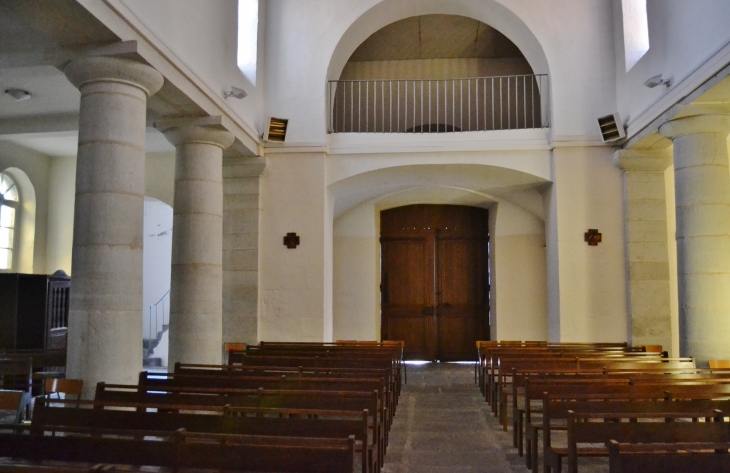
column 8, row 310
column 435, row 288
column 33, row 311
column 407, row 288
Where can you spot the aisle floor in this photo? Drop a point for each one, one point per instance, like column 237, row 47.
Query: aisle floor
column 443, row 425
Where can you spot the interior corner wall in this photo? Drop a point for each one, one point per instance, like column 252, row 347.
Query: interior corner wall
column 291, row 291
column 62, row 189
column 328, row 316
column 520, row 275
column 552, row 256
column 37, row 167
column 159, row 177
column 588, row 193
column 356, row 265
column 672, row 250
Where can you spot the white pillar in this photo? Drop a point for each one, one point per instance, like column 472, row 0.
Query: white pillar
column 702, row 182
column 647, row 245
column 196, row 288
column 105, row 321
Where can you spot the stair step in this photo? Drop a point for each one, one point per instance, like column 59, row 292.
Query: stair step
column 152, row 363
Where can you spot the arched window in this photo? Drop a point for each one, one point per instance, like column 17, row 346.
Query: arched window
column 9, row 213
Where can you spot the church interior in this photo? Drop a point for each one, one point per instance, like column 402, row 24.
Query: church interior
column 444, row 209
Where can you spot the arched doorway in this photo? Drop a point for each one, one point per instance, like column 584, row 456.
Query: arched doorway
column 435, row 279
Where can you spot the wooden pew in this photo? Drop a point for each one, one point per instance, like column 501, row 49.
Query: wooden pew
column 165, row 380
column 183, row 450
column 321, row 361
column 556, row 412
column 256, row 398
column 535, row 390
column 501, row 365
column 318, row 423
column 684, row 457
column 594, row 428
column 319, row 372
column 489, row 354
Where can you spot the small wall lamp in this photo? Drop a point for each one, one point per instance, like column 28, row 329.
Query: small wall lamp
column 657, row 80
column 18, row 94
column 235, row 92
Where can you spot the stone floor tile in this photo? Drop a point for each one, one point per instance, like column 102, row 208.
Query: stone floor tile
column 443, row 425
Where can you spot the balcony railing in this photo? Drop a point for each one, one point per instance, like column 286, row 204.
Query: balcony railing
column 439, row 105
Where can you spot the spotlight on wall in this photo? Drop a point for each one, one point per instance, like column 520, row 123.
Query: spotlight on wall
column 276, row 131
column 18, row 94
column 234, row 92
column 611, row 128
column 657, row 80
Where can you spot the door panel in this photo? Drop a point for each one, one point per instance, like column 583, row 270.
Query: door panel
column 407, row 289
column 434, row 280
column 462, row 286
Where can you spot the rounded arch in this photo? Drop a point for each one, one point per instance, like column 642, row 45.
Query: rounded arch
column 517, row 255
column 25, row 235
column 489, row 12
column 475, row 182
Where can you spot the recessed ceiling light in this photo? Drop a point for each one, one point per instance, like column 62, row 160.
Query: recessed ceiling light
column 18, row 94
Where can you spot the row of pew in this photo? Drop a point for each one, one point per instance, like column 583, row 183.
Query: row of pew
column 24, row 372
column 275, row 407
column 642, row 410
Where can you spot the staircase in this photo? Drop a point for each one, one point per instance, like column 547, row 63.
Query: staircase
column 155, row 324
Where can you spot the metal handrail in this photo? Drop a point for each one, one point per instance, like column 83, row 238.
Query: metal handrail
column 439, row 105
column 155, row 327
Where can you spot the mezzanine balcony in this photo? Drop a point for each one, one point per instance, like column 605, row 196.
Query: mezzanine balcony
column 515, row 102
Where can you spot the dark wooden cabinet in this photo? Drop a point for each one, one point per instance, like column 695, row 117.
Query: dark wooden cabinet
column 34, row 311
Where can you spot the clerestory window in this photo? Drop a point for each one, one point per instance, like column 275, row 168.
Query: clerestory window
column 248, row 31
column 9, row 213
column 636, row 31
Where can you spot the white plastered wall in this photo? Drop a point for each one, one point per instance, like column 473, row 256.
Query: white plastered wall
column 587, row 291
column 578, row 55
column 356, row 274
column 62, row 188
column 204, row 35
column 292, row 290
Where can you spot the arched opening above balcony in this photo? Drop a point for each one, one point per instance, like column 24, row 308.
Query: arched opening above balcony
column 437, row 73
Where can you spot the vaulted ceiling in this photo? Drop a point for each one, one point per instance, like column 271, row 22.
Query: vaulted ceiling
column 435, row 37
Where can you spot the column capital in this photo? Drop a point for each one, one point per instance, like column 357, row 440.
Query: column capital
column 696, row 124
column 642, row 159
column 107, row 69
column 189, row 134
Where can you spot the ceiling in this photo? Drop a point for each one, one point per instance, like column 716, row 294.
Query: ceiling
column 37, row 38
column 435, row 37
column 66, row 143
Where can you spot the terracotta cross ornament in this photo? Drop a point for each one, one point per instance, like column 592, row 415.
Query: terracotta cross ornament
column 291, row 240
column 592, row 237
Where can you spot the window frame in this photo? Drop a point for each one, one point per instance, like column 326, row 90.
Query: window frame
column 16, row 205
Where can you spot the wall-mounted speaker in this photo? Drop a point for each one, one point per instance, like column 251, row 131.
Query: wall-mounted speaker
column 276, row 130
column 611, row 128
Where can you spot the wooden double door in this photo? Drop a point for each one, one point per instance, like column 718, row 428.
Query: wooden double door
column 435, row 280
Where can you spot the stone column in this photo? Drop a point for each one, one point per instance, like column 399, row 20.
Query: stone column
column 105, row 321
column 647, row 245
column 241, row 210
column 702, row 183
column 196, row 287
